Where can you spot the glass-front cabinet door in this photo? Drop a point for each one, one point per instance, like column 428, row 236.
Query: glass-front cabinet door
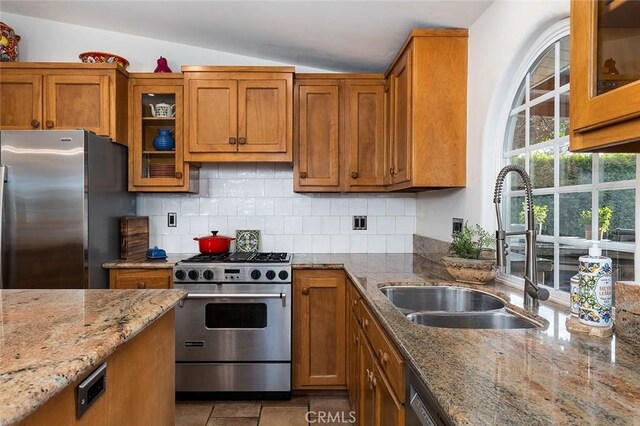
column 157, row 155
column 605, row 76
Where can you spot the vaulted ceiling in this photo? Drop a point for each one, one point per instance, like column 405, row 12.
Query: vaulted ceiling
column 334, row 35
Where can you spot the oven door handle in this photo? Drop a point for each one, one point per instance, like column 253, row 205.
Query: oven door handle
column 281, row 296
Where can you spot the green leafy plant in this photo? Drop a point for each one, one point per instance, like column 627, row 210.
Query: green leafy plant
column 605, row 214
column 469, row 243
column 539, row 213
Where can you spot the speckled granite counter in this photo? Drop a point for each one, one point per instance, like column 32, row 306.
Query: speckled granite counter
column 523, row 377
column 172, row 259
column 51, row 338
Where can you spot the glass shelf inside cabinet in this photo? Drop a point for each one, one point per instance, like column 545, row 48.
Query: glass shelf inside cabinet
column 618, row 44
column 158, row 114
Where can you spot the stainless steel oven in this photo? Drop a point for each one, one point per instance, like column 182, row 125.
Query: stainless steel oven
column 234, row 335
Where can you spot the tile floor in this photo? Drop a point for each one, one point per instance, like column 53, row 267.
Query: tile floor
column 301, row 410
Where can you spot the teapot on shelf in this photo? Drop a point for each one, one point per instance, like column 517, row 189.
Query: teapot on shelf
column 163, row 110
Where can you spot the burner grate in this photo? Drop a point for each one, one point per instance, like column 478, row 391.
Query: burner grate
column 239, row 258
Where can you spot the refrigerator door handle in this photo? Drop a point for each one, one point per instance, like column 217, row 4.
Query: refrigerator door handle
column 3, row 177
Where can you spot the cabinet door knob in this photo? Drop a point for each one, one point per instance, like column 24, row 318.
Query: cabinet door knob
column 142, row 285
column 178, row 175
column 305, row 291
column 35, row 123
column 354, row 175
column 354, row 302
column 374, row 382
column 303, row 175
column 242, row 141
column 383, row 356
column 365, row 323
column 49, row 124
column 232, row 140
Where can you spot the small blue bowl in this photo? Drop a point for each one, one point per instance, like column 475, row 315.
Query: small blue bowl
column 156, row 253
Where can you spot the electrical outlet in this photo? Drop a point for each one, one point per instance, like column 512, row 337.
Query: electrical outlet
column 457, row 225
column 359, row 223
column 172, row 220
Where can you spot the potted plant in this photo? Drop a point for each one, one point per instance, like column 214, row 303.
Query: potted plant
column 471, row 260
column 539, row 216
column 604, row 221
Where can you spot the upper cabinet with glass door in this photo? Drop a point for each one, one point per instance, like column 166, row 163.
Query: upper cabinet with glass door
column 156, row 157
column 605, row 86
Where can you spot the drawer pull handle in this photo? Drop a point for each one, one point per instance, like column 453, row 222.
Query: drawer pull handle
column 355, row 302
column 365, row 323
column 383, row 356
column 142, row 285
column 49, row 124
column 232, row 140
column 303, row 175
column 35, row 123
column 242, row 141
column 305, row 291
column 374, row 382
column 354, row 175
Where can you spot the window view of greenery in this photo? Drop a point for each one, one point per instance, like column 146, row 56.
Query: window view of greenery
column 577, row 197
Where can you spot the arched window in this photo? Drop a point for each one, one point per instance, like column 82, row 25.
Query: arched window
column 577, row 197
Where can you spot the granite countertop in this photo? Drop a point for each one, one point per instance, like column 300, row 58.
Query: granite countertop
column 528, row 377
column 50, row 339
column 144, row 263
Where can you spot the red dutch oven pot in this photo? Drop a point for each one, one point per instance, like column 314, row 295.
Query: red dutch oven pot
column 214, row 244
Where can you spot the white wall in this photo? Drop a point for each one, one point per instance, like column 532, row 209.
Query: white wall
column 260, row 196
column 50, row 41
column 233, row 196
column 498, row 43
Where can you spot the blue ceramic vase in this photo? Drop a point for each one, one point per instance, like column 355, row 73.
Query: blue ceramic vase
column 164, row 141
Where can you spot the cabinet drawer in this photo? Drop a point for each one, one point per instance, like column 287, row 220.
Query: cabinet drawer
column 140, row 278
column 353, row 297
column 392, row 364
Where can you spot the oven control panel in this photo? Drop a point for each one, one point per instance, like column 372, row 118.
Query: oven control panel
column 262, row 273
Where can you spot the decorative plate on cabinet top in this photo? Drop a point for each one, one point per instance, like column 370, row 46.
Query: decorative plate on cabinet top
column 102, row 58
column 247, row 240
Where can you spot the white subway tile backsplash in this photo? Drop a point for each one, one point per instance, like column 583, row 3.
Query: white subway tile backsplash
column 274, row 225
column 386, row 225
column 339, row 207
column 283, row 207
column 293, row 225
column 260, row 196
column 330, row 225
column 302, row 206
column 339, row 244
column 209, row 206
column 376, row 244
column 321, row 244
column 189, row 206
column 394, row 207
column 246, row 207
column 405, row 224
column 357, row 206
column 265, row 206
column 311, row 225
column 320, row 206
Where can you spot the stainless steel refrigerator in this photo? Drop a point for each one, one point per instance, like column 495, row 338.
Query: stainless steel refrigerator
column 62, row 195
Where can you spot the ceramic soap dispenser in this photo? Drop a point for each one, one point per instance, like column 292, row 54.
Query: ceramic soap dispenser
column 596, row 291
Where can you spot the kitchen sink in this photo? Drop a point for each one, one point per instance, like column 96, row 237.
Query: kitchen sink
column 476, row 320
column 410, row 299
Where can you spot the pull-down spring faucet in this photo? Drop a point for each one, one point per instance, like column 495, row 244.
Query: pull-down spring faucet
column 532, row 292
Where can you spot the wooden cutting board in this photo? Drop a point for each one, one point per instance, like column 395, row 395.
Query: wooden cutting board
column 134, row 237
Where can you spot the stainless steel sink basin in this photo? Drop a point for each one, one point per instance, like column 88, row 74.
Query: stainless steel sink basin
column 476, row 320
column 441, row 299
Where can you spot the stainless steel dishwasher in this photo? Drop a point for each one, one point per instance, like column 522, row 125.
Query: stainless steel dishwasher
column 422, row 409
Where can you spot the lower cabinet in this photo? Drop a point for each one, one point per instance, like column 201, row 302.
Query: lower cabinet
column 140, row 278
column 319, row 328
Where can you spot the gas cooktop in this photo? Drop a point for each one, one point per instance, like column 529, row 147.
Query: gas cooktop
column 240, row 258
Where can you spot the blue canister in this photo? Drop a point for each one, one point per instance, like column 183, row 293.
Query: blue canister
column 164, row 141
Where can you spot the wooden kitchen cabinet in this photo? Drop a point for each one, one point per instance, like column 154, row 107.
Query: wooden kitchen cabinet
column 150, row 169
column 605, row 76
column 319, row 329
column 353, row 347
column 428, row 113
column 42, row 96
column 237, row 114
column 339, row 133
column 140, row 278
